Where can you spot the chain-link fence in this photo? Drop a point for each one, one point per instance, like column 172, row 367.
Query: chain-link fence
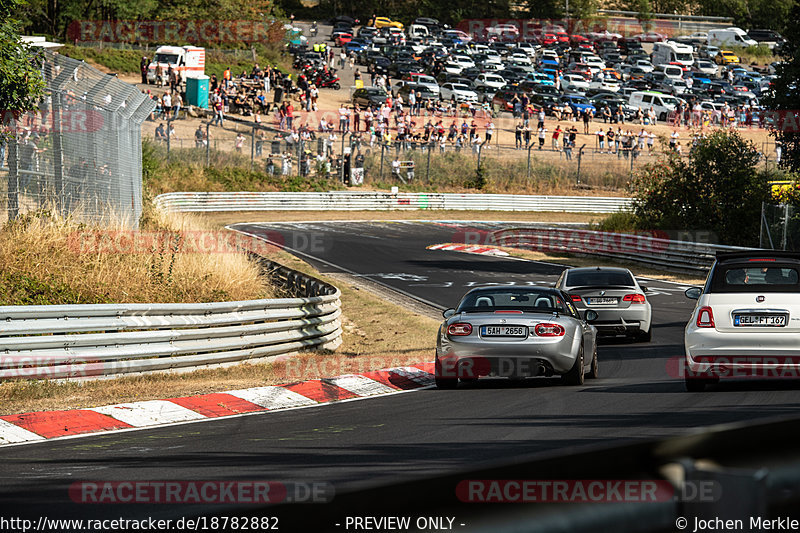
column 81, row 153
column 780, row 227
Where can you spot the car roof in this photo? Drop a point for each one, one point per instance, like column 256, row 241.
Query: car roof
column 600, row 269
column 730, row 257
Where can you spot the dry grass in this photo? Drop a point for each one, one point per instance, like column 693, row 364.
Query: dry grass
column 48, row 260
column 377, row 335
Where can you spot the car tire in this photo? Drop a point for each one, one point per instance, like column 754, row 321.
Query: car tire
column 695, row 384
column 575, row 375
column 646, row 336
column 594, row 373
column 446, row 383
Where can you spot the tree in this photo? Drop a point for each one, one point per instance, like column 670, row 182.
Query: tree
column 21, row 82
column 785, row 98
column 717, row 188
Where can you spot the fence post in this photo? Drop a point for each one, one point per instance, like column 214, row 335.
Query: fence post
column 341, row 159
column 252, row 146
column 208, row 144
column 428, row 166
column 580, row 156
column 13, row 173
column 785, row 225
column 383, row 147
column 529, row 160
column 58, row 154
column 168, row 137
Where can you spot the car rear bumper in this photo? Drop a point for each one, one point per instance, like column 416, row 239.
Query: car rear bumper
column 747, row 353
column 507, row 358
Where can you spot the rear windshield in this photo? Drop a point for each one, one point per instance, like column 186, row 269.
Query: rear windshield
column 512, row 300
column 599, row 279
column 756, row 278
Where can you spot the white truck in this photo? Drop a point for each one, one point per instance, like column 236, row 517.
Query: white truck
column 730, row 37
column 189, row 61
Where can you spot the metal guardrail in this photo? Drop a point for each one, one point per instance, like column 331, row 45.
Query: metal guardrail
column 666, row 254
column 374, row 201
column 89, row 341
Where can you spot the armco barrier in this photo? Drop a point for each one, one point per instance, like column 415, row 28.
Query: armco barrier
column 676, row 256
column 375, row 201
column 89, row 341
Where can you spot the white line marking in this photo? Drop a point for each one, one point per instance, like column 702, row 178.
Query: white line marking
column 149, row 413
column 272, row 397
column 360, row 385
column 9, row 434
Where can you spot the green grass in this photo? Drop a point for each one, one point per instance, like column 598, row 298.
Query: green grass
column 18, row 288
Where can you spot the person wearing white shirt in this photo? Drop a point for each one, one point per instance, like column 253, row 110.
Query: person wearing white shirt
column 542, row 136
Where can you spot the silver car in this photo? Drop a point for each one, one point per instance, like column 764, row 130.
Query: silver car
column 516, row 332
column 620, row 302
column 746, row 321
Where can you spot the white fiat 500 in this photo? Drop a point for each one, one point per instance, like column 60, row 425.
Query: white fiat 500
column 747, row 319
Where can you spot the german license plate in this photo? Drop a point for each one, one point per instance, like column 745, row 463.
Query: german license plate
column 603, row 301
column 504, row 331
column 752, row 320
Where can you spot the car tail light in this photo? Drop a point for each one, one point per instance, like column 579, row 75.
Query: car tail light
column 705, row 318
column 549, row 330
column 577, row 299
column 634, row 298
column 459, row 329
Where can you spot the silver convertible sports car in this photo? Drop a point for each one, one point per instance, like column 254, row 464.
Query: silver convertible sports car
column 516, row 332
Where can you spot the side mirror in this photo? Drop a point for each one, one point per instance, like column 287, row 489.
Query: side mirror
column 447, row 313
column 590, row 315
column 693, row 293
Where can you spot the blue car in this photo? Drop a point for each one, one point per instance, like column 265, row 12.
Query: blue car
column 355, row 45
column 540, row 78
column 578, row 103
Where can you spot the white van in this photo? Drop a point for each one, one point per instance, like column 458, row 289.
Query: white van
column 189, row 61
column 730, row 37
column 672, row 52
column 418, row 30
column 672, row 71
column 662, row 104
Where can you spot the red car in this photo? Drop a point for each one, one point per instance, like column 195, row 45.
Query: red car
column 343, row 38
column 549, row 38
column 650, row 37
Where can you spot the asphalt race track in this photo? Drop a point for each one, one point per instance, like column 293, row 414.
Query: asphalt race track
column 408, row 435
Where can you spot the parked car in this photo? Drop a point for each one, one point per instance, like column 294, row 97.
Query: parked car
column 369, row 96
column 460, row 91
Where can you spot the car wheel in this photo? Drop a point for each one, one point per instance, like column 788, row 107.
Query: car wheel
column 646, row 336
column 594, row 373
column 695, row 384
column 446, row 383
column 575, row 374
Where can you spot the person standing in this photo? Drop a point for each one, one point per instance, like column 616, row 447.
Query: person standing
column 542, row 135
column 601, row 139
column 177, row 103
column 556, row 139
column 143, row 68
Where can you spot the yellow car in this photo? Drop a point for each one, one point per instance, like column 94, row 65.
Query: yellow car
column 726, row 57
column 386, row 22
